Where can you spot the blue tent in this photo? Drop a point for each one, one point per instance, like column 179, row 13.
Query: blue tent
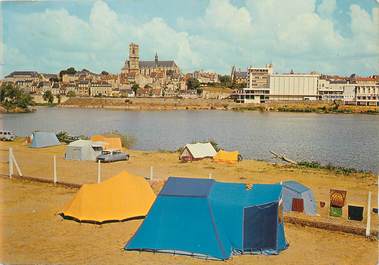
column 44, row 139
column 293, row 189
column 214, row 220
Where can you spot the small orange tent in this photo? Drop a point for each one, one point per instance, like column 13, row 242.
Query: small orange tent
column 121, row 197
column 226, row 157
column 110, row 142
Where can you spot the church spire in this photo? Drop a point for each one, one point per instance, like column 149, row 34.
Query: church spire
column 156, row 59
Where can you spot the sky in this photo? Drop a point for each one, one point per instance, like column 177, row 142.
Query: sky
column 327, row 36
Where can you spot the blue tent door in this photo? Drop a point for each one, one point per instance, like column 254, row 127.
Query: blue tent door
column 260, row 227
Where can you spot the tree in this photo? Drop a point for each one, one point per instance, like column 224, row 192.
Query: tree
column 104, row 73
column 225, row 80
column 135, row 87
column 58, row 98
column 193, row 83
column 70, row 70
column 71, row 94
column 48, row 96
column 11, row 96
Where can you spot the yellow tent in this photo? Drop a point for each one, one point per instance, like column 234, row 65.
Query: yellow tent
column 226, row 157
column 110, row 142
column 121, row 197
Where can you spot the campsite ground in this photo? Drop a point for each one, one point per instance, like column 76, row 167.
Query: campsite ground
column 32, row 232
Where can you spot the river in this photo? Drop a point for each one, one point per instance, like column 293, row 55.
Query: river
column 349, row 140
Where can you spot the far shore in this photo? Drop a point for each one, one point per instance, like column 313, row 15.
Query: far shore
column 213, row 104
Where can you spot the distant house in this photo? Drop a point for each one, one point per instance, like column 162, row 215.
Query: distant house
column 83, row 88
column 149, row 92
column 127, row 93
column 22, row 76
column 239, row 77
column 68, row 78
column 100, row 88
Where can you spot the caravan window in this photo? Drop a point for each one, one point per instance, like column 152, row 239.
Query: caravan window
column 97, row 148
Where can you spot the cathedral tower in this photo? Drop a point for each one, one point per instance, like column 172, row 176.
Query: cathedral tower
column 133, row 58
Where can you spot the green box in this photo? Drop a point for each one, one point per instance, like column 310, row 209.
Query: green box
column 335, row 211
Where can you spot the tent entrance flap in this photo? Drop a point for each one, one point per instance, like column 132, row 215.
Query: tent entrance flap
column 259, row 227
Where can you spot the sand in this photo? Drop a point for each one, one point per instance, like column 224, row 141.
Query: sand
column 32, row 232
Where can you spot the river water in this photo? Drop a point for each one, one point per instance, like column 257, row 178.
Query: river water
column 341, row 139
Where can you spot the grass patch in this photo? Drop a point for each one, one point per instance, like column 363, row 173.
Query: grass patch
column 330, row 167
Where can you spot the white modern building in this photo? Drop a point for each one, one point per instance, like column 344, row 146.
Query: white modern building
column 294, row 87
column 283, row 87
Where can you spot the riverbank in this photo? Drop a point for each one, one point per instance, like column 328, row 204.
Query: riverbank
column 16, row 110
column 32, row 232
column 213, row 104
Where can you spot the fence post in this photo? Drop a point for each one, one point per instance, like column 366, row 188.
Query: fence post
column 10, row 162
column 151, row 172
column 14, row 161
column 98, row 171
column 55, row 170
column 368, row 214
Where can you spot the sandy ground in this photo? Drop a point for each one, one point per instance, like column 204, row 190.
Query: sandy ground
column 39, row 163
column 32, row 232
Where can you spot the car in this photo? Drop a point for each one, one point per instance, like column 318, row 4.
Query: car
column 7, row 135
column 112, row 156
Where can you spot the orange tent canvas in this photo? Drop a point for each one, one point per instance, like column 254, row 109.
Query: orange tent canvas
column 226, row 157
column 121, row 197
column 110, row 142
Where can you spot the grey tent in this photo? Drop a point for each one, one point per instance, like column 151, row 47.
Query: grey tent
column 83, row 150
column 294, row 189
column 44, row 139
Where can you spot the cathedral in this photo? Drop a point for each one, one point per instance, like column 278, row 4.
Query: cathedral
column 134, row 67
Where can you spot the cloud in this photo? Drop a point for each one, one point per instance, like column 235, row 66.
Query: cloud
column 297, row 34
column 327, row 8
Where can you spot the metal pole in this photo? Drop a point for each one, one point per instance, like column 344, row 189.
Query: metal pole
column 55, row 169
column 98, row 171
column 368, row 214
column 10, row 162
column 151, row 172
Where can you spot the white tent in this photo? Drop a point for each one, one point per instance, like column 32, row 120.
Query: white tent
column 83, row 150
column 198, row 151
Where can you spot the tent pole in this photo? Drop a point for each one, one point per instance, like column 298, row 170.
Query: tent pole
column 55, row 169
column 10, row 162
column 368, row 214
column 98, row 171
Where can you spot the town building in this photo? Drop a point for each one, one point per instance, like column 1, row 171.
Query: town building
column 134, row 66
column 265, row 86
column 100, row 89
column 22, row 76
column 259, row 77
column 206, row 78
column 366, row 90
column 239, row 77
column 293, row 87
column 83, row 88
